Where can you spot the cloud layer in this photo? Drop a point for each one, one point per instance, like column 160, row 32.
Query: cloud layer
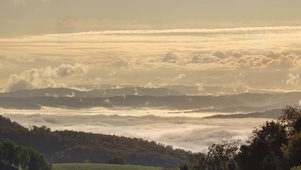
column 191, row 133
column 240, row 59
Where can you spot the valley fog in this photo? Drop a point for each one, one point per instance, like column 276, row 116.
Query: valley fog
column 189, row 131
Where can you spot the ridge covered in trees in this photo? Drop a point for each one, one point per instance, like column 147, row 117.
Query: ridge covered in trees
column 76, row 147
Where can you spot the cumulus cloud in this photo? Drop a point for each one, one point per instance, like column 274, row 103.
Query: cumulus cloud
column 195, row 59
column 219, row 54
column 273, row 55
column 29, row 79
column 120, row 63
column 293, row 79
column 66, row 70
column 283, row 62
column 237, row 54
column 43, row 77
column 170, row 57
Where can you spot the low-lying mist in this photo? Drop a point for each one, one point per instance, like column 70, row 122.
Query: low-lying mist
column 188, row 131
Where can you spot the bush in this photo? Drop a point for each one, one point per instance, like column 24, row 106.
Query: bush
column 117, row 160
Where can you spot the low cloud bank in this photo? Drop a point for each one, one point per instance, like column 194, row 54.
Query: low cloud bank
column 180, row 131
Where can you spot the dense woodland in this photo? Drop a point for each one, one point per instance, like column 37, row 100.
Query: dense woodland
column 77, row 147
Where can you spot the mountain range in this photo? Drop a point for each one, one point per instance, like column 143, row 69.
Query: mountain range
column 140, row 97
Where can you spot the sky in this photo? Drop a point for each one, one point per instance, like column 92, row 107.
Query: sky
column 241, row 45
column 23, row 17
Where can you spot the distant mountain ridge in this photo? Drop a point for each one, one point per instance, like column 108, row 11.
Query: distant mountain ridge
column 140, row 97
column 67, row 92
column 273, row 114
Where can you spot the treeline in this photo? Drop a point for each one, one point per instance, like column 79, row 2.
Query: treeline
column 276, row 145
column 77, row 147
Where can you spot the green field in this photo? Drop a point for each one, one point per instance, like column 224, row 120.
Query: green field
column 85, row 166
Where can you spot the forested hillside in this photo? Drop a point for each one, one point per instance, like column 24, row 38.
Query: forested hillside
column 76, row 147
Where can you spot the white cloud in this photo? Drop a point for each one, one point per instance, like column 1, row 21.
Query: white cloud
column 43, row 77
column 293, row 79
column 239, row 30
column 66, row 70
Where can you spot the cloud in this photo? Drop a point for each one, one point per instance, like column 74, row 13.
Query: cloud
column 273, row 55
column 170, row 57
column 237, row 54
column 29, row 79
column 219, row 54
column 293, row 79
column 179, row 77
column 283, row 62
column 66, row 70
column 239, row 30
column 203, row 55
column 195, row 59
column 181, row 130
column 43, row 77
column 120, row 63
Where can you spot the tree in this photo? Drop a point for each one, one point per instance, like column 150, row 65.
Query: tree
column 17, row 157
column 264, row 148
column 197, row 161
column 291, row 119
column 117, row 159
column 184, row 167
column 221, row 155
column 296, row 168
column 292, row 151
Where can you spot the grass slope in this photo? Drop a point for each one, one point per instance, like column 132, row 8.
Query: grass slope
column 85, row 166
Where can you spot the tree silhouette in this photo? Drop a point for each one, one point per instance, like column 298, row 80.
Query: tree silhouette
column 17, row 157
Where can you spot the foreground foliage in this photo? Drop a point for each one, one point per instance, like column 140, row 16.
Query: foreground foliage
column 274, row 146
column 14, row 157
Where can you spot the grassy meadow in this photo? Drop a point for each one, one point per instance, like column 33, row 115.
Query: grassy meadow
column 85, row 166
